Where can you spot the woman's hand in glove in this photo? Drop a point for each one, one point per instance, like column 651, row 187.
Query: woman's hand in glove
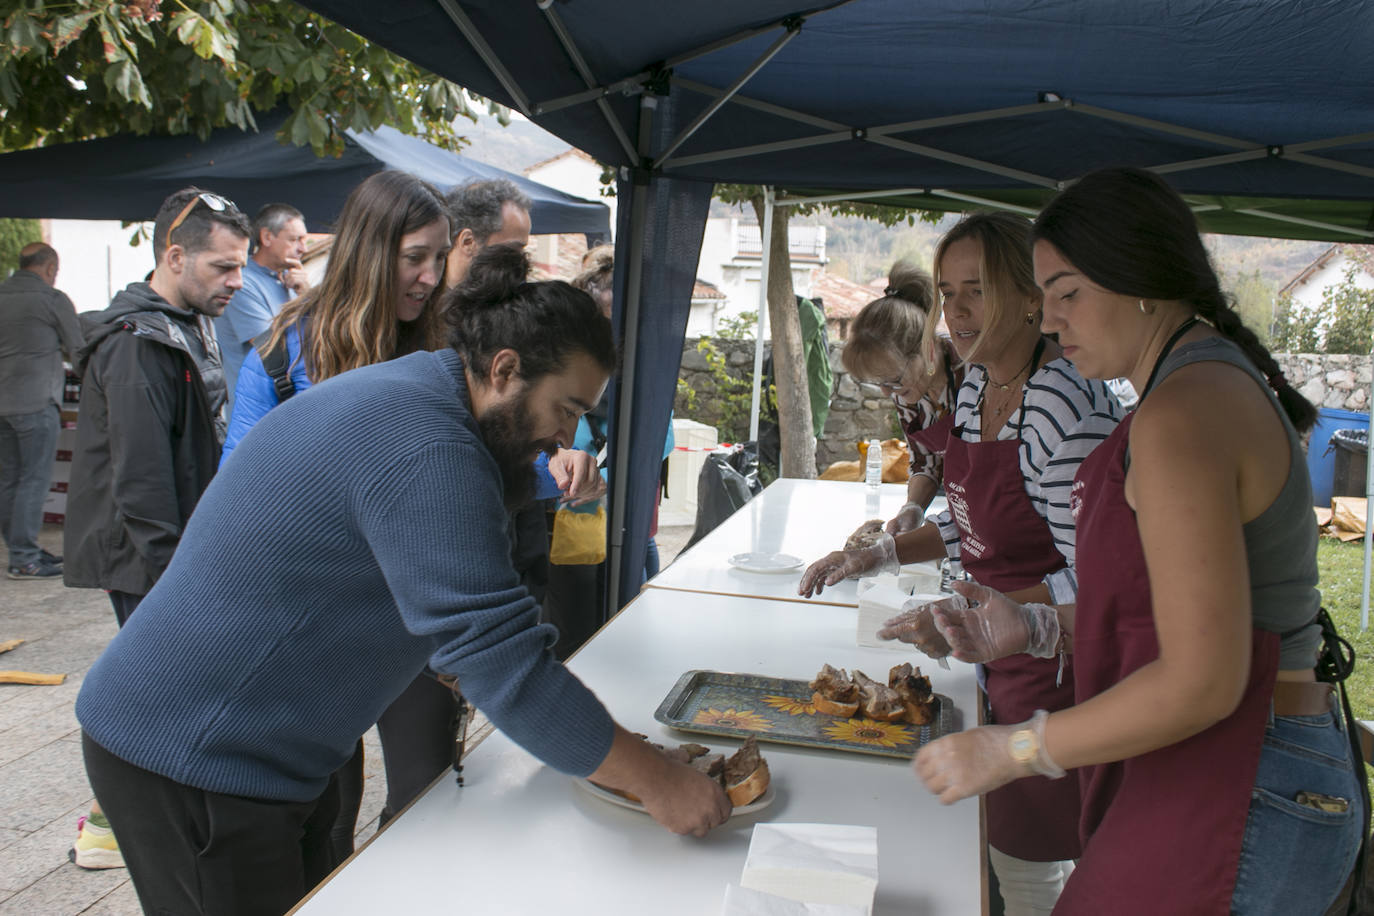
column 990, row 625
column 916, row 625
column 880, row 558
column 979, row 760
column 910, row 517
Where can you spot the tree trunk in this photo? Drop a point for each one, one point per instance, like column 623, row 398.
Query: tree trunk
column 797, row 448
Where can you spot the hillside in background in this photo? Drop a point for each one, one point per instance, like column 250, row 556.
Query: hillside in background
column 513, row 148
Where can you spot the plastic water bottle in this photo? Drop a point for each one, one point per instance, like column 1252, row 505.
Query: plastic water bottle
column 873, row 464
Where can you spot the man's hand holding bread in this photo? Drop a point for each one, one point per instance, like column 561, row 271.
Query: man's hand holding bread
column 679, row 797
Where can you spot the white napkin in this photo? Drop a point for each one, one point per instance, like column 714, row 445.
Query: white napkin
column 881, row 603
column 814, row 863
column 743, row 901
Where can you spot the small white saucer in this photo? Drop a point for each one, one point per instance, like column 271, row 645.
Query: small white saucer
column 765, row 562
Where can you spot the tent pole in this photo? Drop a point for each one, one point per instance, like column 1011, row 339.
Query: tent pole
column 766, row 240
column 1368, row 502
column 485, row 52
column 625, row 390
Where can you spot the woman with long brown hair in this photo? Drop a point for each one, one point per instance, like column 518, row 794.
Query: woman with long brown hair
column 375, row 302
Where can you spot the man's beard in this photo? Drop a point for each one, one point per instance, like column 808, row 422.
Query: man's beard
column 504, row 429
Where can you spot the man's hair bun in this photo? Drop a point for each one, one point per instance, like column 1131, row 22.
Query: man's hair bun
column 493, row 278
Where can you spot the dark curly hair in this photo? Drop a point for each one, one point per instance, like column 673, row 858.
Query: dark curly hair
column 495, row 308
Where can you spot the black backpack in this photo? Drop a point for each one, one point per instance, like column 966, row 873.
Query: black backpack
column 278, row 365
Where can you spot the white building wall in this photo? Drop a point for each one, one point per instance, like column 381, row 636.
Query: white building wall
column 1309, row 295
column 96, row 260
column 576, row 176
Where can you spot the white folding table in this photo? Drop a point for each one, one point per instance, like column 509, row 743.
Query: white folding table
column 522, row 838
column 805, row 518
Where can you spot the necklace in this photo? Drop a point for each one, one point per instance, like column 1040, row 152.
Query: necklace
column 1004, row 387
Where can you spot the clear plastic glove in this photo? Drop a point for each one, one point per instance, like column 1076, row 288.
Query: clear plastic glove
column 910, row 517
column 876, row 560
column 916, row 625
column 988, row 625
column 979, row 760
column 576, row 474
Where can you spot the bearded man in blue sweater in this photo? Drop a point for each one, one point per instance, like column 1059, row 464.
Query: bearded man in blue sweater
column 358, row 533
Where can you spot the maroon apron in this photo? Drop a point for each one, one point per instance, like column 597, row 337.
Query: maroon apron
column 934, row 436
column 1006, row 545
column 1162, row 831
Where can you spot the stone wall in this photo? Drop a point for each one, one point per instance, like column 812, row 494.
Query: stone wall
column 1337, row 381
column 861, row 411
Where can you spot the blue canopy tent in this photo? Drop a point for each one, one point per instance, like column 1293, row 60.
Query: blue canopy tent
column 127, row 177
column 1262, row 114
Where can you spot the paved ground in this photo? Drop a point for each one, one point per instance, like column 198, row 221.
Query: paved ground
column 43, row 788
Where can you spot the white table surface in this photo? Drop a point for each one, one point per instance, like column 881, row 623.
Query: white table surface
column 805, row 518
column 522, row 838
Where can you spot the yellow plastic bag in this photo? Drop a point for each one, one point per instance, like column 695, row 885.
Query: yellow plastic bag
column 579, row 538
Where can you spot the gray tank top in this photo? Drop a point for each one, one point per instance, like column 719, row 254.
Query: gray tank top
column 1281, row 542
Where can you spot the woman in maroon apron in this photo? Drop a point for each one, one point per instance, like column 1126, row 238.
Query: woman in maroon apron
column 1215, row 775
column 1023, row 422
column 884, row 348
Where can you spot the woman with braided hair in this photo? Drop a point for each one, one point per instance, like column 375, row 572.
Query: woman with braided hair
column 1214, row 771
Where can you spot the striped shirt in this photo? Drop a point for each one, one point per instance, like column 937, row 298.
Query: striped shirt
column 1065, row 417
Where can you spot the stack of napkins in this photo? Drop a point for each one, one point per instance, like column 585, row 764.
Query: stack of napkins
column 884, row 600
column 807, row 870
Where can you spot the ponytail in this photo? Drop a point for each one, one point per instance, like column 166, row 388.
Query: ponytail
column 1217, row 310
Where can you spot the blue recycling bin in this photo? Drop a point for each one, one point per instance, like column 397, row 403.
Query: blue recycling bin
column 1321, row 455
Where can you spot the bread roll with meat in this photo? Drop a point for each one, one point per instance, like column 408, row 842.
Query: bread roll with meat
column 746, row 774
column 913, row 689
column 835, row 693
column 878, row 701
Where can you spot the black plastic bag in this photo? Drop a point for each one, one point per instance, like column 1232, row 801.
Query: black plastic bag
column 728, row 480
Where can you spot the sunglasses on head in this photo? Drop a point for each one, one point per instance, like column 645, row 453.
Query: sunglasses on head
column 213, row 201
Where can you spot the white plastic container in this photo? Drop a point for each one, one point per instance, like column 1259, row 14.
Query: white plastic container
column 692, row 441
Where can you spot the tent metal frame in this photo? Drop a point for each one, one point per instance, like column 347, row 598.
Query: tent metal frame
column 648, row 83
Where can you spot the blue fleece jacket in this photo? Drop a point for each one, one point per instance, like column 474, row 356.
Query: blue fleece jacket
column 357, row 534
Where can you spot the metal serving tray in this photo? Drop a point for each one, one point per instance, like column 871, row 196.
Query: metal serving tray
column 780, row 711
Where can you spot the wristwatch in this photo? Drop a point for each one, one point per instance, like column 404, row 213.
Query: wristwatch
column 1024, row 746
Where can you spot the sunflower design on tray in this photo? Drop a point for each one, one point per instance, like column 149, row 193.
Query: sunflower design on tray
column 869, row 731
column 733, row 718
column 791, row 705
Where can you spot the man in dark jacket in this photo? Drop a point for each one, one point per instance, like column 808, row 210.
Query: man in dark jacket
column 152, row 402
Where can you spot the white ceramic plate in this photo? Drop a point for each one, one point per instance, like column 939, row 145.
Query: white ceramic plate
column 606, row 795
column 765, row 562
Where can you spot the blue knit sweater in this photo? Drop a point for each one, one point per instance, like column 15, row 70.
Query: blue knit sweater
column 357, row 533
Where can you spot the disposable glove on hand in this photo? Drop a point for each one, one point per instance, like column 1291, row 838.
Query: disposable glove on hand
column 979, row 760
column 910, row 517
column 916, row 625
column 876, row 560
column 990, row 625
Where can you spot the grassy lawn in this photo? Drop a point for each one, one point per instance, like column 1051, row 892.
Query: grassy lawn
column 1342, row 576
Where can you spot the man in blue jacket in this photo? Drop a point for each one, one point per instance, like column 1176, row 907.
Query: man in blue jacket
column 358, row 534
